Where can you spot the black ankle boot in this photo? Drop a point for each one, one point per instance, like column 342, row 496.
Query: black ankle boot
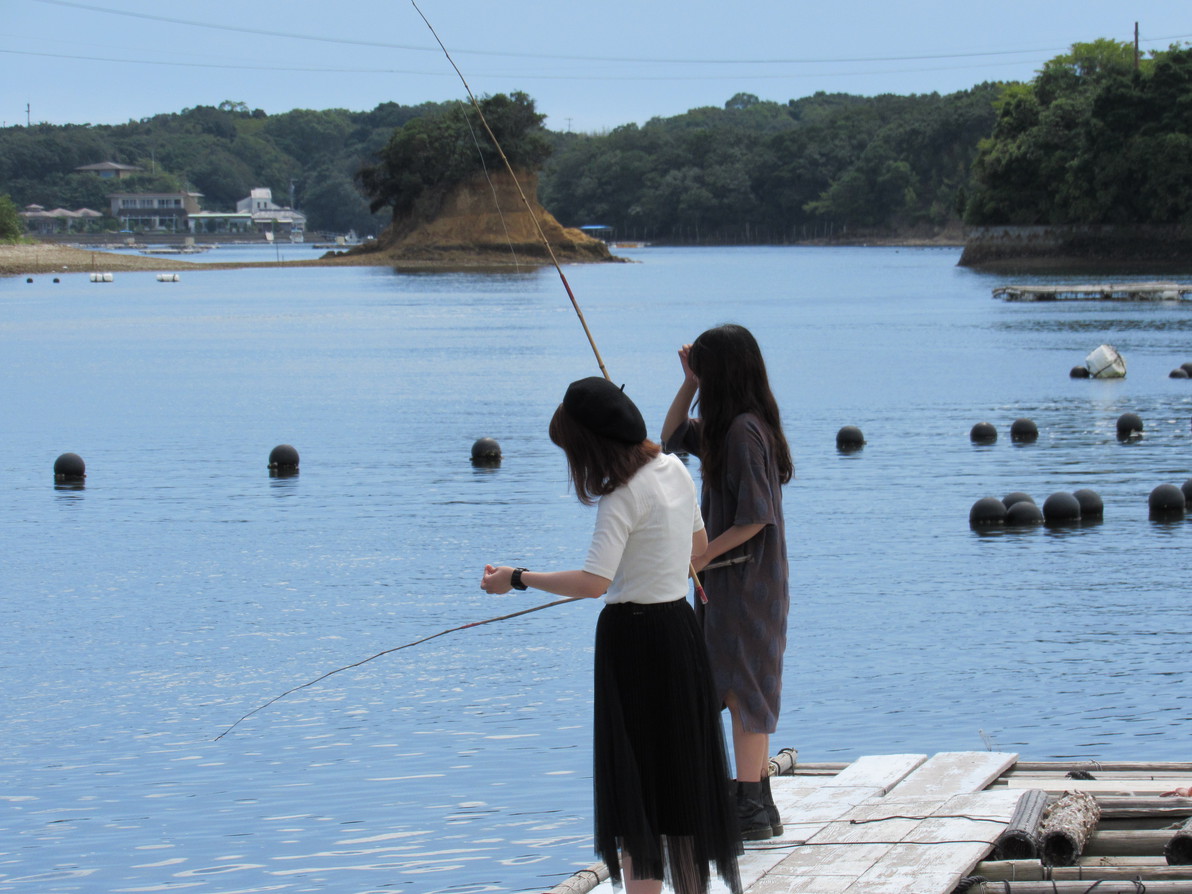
column 751, row 813
column 771, row 811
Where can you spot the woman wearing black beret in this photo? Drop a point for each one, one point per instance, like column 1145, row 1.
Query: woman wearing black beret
column 663, row 809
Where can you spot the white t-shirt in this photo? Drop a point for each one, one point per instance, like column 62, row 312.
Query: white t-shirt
column 642, row 540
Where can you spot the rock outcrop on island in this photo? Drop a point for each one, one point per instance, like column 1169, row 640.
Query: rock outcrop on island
column 483, row 221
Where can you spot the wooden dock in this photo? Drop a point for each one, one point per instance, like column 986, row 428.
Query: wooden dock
column 1132, row 291
column 958, row 823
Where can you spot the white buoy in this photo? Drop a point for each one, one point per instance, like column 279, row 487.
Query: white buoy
column 1105, row 362
column 168, row 277
column 101, row 277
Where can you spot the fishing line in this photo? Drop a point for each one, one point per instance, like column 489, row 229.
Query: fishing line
column 524, row 611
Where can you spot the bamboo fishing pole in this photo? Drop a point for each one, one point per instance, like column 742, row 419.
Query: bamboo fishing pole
column 699, row 590
column 525, row 201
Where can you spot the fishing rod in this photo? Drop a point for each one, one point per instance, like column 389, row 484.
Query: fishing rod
column 699, row 590
column 525, row 201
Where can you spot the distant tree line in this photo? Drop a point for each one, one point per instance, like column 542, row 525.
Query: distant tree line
column 759, row 172
column 1098, row 137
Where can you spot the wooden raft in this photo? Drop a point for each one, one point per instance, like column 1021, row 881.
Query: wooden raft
column 907, row 824
column 1133, row 291
column 891, row 824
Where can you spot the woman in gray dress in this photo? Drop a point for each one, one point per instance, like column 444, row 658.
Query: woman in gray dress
column 745, row 460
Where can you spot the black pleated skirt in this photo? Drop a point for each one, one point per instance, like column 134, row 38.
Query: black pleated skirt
column 661, row 776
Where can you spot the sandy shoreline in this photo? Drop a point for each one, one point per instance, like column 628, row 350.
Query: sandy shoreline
column 50, row 258
column 43, row 258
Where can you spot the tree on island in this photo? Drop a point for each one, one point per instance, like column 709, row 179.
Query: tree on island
column 11, row 226
column 1098, row 137
column 437, row 152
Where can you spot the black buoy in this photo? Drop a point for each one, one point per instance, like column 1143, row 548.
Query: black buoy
column 983, row 433
column 1017, row 497
column 1167, row 499
column 1129, row 425
column 486, row 452
column 1187, row 367
column 70, row 467
column 283, row 460
column 987, row 511
column 1024, row 431
column 29, row 279
column 849, row 438
column 1079, row 372
column 1186, row 487
column 1091, row 504
column 1061, row 507
column 1178, row 373
column 1024, row 513
column 56, row 279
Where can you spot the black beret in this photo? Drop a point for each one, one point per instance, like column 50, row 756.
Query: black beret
column 600, row 406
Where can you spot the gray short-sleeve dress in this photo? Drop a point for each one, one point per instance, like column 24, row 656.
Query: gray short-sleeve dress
column 744, row 620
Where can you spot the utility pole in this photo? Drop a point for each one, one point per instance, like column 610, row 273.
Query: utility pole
column 1136, row 47
column 26, row 114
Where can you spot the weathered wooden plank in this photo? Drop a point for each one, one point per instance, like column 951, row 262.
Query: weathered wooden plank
column 943, row 847
column 901, row 846
column 953, row 772
column 879, row 771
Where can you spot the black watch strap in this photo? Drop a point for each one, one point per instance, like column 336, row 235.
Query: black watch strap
column 515, row 578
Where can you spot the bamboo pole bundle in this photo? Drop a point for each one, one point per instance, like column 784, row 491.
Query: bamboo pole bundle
column 1142, row 806
column 1127, row 843
column 1066, row 827
column 584, row 881
column 1083, row 886
column 784, row 762
column 1095, row 766
column 1107, row 868
column 1020, row 840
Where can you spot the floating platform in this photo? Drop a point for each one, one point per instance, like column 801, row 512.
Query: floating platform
column 962, row 823
column 1133, row 291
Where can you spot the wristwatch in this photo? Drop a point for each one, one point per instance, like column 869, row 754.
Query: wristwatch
column 515, row 578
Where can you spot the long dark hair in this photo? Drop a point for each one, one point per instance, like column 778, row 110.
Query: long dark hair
column 732, row 380
column 597, row 465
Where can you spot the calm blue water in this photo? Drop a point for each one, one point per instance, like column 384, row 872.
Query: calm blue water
column 182, row 587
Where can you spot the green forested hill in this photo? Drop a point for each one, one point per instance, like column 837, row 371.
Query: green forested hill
column 1096, row 138
column 752, row 171
column 1092, row 139
column 759, row 171
column 221, row 152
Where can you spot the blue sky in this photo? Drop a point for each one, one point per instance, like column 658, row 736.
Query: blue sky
column 590, row 66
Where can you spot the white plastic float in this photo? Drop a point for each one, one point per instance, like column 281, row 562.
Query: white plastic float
column 1106, row 363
